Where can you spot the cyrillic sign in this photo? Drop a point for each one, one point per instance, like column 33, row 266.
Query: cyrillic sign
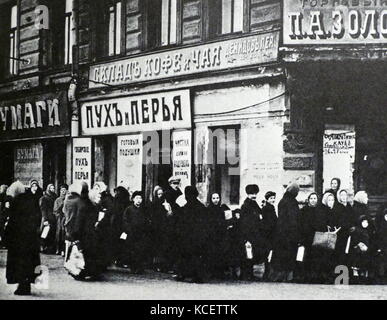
column 243, row 51
column 34, row 117
column 82, row 151
column 311, row 22
column 151, row 112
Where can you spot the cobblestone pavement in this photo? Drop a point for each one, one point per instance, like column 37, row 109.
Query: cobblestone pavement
column 119, row 284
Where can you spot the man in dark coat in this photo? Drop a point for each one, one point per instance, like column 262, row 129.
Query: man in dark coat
column 253, row 232
column 286, row 236
column 192, row 238
column 136, row 225
column 46, row 203
column 22, row 238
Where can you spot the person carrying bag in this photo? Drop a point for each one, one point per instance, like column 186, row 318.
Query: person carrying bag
column 326, row 240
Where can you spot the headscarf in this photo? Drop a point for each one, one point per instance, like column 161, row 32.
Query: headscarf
column 191, row 193
column 15, row 189
column 48, row 192
column 338, row 182
column 338, row 196
column 155, row 191
column 93, row 194
column 361, row 197
column 34, row 181
column 312, row 194
column 220, row 200
column 293, row 189
column 76, row 188
column 325, row 198
column 121, row 199
column 100, row 185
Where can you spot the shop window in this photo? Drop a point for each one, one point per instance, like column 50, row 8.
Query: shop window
column 225, row 162
column 162, row 22
column 69, row 27
column 225, row 17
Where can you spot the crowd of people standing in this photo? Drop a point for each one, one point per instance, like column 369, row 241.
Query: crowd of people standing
column 176, row 233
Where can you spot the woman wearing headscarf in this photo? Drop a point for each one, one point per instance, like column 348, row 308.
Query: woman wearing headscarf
column 58, row 212
column 219, row 221
column 348, row 221
column 85, row 235
column 270, row 219
column 360, row 251
column 120, row 202
column 323, row 260
column 46, row 203
column 161, row 217
column 286, row 236
column 306, row 230
column 22, row 238
column 335, row 187
column 136, row 226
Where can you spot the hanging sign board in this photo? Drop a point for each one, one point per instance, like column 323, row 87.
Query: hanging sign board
column 182, row 156
column 28, row 163
column 339, row 156
column 308, row 22
column 129, row 161
column 82, row 150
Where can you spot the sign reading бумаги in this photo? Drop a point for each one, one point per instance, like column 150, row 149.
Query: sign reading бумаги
column 318, row 22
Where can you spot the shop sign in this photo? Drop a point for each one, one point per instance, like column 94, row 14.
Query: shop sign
column 34, row 117
column 82, row 152
column 223, row 55
column 320, row 22
column 182, row 156
column 339, row 156
column 129, row 161
column 28, row 163
column 151, row 112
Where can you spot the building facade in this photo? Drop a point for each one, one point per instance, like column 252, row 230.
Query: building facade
column 222, row 93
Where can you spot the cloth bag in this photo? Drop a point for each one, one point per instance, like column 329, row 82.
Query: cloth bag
column 325, row 240
column 75, row 261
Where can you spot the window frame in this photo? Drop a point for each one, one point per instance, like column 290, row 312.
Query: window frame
column 156, row 44
column 214, row 30
column 13, row 39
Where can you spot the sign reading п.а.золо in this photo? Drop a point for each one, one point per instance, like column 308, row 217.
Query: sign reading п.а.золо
column 309, row 22
column 215, row 56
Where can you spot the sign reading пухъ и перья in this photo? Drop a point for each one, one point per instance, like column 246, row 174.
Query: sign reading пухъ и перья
column 149, row 112
column 319, row 22
column 216, row 56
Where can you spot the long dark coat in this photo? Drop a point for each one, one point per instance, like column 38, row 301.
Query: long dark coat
column 192, row 240
column 358, row 258
column 220, row 255
column 253, row 230
column 286, row 234
column 85, row 232
column 347, row 221
column 323, row 261
column 71, row 207
column 22, row 239
column 270, row 223
column 136, row 224
column 162, row 231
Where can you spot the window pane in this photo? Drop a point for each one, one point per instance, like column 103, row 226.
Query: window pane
column 164, row 22
column 118, row 28
column 11, row 53
column 14, row 17
column 238, row 15
column 111, row 31
column 226, row 16
column 173, row 21
column 69, row 6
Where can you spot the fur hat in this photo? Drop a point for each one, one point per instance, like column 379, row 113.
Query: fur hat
column 269, row 194
column 137, row 193
column 252, row 189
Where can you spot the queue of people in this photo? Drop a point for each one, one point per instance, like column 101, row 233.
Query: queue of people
column 176, row 233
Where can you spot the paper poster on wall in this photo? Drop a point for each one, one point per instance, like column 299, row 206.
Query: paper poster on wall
column 182, row 156
column 82, row 148
column 28, row 163
column 339, row 156
column 129, row 161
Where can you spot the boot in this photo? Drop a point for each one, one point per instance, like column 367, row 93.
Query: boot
column 23, row 289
